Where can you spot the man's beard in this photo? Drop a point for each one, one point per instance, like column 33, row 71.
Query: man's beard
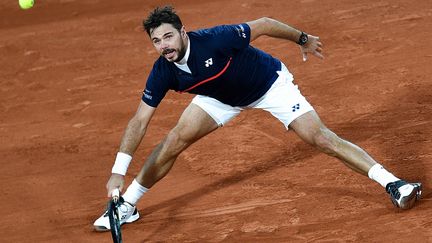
column 181, row 52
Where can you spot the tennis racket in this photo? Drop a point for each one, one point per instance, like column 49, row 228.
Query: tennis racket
column 113, row 215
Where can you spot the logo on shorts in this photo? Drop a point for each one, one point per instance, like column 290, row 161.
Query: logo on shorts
column 209, row 62
column 295, row 107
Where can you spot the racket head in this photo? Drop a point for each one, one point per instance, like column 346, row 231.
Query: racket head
column 114, row 220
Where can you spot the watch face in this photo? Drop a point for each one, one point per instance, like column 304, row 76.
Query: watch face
column 303, row 39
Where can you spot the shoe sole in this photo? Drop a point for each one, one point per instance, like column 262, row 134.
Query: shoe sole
column 410, row 200
column 131, row 219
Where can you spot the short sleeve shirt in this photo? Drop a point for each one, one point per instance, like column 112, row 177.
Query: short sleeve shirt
column 223, row 66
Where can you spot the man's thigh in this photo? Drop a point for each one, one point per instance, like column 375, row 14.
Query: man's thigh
column 194, row 123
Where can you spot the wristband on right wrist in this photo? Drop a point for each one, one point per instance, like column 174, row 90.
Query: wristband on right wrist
column 121, row 163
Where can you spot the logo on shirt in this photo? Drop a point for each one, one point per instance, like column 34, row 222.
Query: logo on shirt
column 208, row 62
column 147, row 94
column 240, row 31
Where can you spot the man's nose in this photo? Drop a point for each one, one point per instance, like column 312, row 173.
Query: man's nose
column 163, row 45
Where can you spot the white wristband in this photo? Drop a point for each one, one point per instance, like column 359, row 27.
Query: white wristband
column 121, row 163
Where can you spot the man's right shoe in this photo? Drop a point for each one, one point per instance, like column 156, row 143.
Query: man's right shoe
column 404, row 194
column 127, row 213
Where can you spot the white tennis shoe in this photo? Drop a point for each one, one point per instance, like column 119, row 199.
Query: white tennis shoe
column 127, row 214
column 404, row 194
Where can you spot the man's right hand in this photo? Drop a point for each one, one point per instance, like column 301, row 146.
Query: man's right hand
column 314, row 46
column 115, row 181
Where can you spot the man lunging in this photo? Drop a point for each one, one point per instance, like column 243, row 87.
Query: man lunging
column 228, row 75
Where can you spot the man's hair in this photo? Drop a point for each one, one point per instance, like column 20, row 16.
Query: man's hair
column 159, row 16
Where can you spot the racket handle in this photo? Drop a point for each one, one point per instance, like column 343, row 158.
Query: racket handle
column 115, row 194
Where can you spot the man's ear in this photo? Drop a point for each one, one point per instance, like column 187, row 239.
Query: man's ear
column 183, row 31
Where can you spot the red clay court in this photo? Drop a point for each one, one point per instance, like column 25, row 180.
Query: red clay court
column 72, row 73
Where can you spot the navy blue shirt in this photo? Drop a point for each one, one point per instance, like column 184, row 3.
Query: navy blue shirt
column 223, row 66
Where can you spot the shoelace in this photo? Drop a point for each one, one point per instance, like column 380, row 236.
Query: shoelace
column 393, row 188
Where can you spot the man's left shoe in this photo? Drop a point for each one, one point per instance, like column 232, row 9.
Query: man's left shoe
column 404, row 194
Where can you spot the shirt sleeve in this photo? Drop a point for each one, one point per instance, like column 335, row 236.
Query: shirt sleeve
column 231, row 36
column 156, row 87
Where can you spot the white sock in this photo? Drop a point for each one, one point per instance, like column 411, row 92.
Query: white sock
column 134, row 192
column 381, row 175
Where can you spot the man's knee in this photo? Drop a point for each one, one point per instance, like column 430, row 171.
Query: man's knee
column 326, row 141
column 174, row 143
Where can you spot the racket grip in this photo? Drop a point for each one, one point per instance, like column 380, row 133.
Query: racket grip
column 115, row 194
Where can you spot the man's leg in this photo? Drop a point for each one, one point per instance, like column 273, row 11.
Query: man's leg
column 201, row 117
column 285, row 101
column 194, row 124
column 310, row 128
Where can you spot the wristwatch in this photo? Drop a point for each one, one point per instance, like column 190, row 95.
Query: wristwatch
column 303, row 39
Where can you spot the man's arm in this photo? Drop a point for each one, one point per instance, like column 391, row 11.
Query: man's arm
column 274, row 28
column 136, row 129
column 132, row 137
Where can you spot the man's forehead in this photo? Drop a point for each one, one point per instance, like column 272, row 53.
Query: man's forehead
column 161, row 30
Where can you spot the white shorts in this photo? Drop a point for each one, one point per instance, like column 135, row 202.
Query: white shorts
column 283, row 100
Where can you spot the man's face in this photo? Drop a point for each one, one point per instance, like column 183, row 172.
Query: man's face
column 169, row 42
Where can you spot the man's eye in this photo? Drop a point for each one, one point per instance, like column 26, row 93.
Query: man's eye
column 156, row 41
